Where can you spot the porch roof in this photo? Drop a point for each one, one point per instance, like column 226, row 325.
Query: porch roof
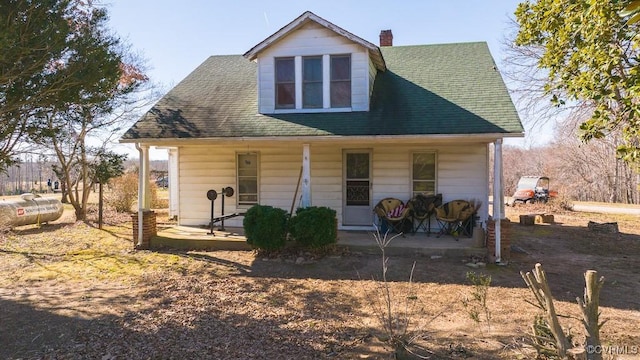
column 447, row 89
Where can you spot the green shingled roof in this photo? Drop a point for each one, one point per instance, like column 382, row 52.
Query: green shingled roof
column 427, row 90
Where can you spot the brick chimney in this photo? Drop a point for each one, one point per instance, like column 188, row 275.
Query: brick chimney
column 386, row 38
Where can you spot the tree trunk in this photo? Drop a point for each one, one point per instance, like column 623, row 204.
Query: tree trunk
column 100, row 203
column 590, row 313
column 81, row 214
column 72, row 193
column 539, row 285
column 65, row 195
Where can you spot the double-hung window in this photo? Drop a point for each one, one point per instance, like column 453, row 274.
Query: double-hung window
column 247, row 170
column 424, row 173
column 285, row 83
column 312, row 82
column 340, row 81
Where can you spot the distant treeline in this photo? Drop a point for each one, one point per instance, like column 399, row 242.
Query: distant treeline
column 32, row 175
column 582, row 172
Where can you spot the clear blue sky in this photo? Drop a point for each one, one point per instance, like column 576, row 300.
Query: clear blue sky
column 176, row 36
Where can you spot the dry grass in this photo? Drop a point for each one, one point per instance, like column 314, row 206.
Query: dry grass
column 69, row 290
column 77, row 252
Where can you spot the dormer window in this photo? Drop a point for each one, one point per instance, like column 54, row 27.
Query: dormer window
column 340, row 81
column 312, row 82
column 285, row 83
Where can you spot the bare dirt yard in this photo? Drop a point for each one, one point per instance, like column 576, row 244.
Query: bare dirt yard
column 71, row 291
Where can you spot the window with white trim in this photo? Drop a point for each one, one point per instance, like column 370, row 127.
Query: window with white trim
column 423, row 173
column 322, row 81
column 285, row 83
column 340, row 81
column 312, row 82
column 247, row 172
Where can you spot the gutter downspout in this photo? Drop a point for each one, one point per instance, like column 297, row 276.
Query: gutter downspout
column 140, row 195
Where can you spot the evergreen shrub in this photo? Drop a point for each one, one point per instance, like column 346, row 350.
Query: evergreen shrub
column 265, row 227
column 314, row 227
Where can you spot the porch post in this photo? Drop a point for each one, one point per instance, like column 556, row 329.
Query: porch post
column 145, row 173
column 306, row 177
column 144, row 199
column 173, row 184
column 144, row 223
column 498, row 195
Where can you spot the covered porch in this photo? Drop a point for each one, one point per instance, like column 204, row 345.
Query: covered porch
column 284, row 179
column 191, row 237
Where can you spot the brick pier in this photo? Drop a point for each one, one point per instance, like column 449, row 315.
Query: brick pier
column 505, row 239
column 149, row 229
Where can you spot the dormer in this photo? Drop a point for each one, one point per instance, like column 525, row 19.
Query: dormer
column 312, row 65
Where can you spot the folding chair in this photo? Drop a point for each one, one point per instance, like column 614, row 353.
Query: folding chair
column 422, row 207
column 454, row 218
column 393, row 213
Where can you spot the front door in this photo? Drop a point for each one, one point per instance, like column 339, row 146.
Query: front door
column 357, row 188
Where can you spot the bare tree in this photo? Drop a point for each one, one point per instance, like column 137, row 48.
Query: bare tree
column 586, row 172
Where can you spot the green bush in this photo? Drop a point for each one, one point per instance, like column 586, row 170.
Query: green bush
column 314, row 227
column 265, row 227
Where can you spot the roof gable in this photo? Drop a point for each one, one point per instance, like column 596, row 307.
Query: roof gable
column 374, row 51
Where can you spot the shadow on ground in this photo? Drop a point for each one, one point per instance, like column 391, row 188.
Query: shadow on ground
column 565, row 251
column 168, row 326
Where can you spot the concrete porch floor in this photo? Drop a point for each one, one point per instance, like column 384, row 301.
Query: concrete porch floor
column 187, row 237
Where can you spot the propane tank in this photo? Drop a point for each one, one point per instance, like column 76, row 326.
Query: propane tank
column 31, row 209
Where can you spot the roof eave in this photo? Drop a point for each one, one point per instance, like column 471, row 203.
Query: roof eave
column 313, row 138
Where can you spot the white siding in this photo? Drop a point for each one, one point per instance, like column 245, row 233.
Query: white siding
column 310, row 40
column 326, row 177
column 360, row 81
column 279, row 173
column 266, row 85
column 372, row 76
column 391, row 172
column 174, row 183
column 202, row 169
column 461, row 174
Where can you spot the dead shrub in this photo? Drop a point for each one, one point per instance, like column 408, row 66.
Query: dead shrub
column 109, row 217
column 399, row 313
column 156, row 201
column 123, row 192
column 562, row 202
column 475, row 303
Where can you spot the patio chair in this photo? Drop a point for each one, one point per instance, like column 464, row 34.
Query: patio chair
column 422, row 207
column 455, row 218
column 393, row 214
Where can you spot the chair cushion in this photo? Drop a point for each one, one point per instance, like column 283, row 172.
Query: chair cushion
column 455, row 210
column 386, row 205
column 390, row 203
column 397, row 212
